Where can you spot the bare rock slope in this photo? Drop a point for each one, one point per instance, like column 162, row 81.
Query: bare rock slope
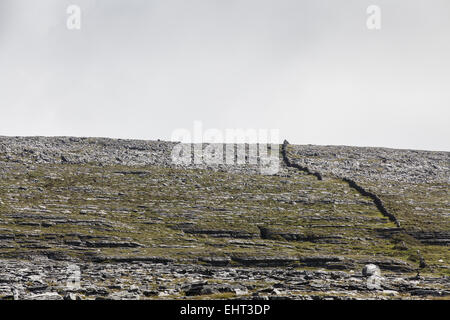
column 137, row 226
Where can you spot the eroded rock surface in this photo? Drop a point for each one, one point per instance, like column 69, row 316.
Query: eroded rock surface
column 411, row 185
column 140, row 227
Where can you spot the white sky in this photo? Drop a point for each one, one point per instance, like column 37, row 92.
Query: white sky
column 143, row 68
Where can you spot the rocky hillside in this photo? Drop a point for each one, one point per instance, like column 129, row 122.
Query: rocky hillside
column 136, row 226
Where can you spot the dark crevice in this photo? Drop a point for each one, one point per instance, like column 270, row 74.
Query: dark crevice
column 295, row 165
column 376, row 200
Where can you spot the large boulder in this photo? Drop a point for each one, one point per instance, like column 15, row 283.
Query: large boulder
column 371, row 270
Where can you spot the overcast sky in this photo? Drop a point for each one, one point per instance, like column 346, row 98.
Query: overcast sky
column 312, row 69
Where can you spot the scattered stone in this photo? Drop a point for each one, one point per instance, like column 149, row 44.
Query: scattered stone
column 371, row 270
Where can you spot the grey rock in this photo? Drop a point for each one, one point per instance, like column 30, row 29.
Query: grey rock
column 371, row 270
